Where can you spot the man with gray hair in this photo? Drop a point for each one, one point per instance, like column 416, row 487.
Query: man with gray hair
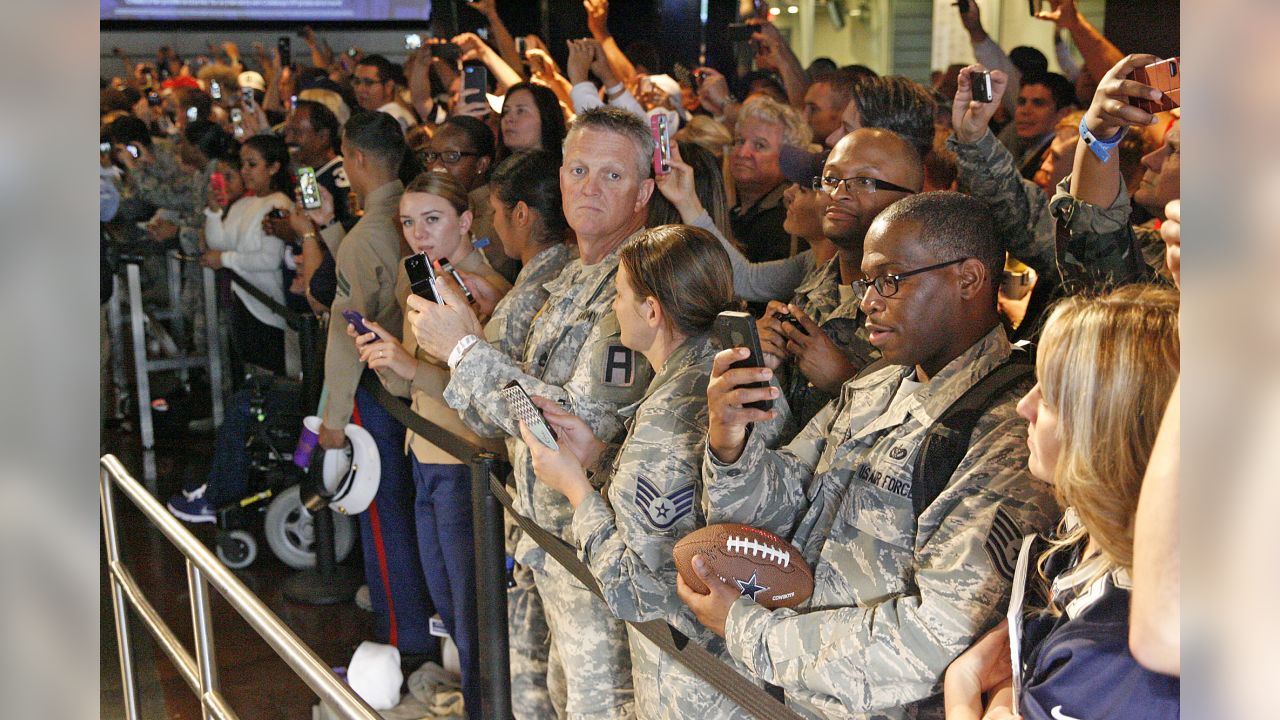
column 574, row 356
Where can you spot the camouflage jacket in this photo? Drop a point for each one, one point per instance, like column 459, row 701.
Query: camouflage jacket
column 896, row 597
column 574, row 356
column 819, row 297
column 166, row 184
column 508, row 328
column 1099, row 244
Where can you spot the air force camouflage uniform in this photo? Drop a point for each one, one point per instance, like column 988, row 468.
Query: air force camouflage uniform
column 573, row 356
column 653, row 491
column 896, row 597
column 818, row 295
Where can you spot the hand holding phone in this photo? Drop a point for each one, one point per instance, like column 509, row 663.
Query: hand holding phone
column 422, row 277
column 738, row 329
column 357, row 321
column 523, row 409
column 475, row 82
column 309, row 188
column 1165, row 76
column 447, row 266
column 661, row 144
column 980, row 85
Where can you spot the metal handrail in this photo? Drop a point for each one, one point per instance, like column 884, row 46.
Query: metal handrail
column 203, row 569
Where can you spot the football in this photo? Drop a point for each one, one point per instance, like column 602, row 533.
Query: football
column 763, row 566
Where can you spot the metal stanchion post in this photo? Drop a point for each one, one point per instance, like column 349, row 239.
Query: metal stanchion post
column 176, row 314
column 213, row 342
column 202, row 621
column 119, row 609
column 491, row 589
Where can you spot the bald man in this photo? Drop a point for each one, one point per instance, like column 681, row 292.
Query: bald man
column 868, row 170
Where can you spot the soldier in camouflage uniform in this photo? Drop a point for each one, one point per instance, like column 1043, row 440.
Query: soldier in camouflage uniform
column 626, row 533
column 573, row 356
column 823, row 295
column 1100, row 246
column 896, row 596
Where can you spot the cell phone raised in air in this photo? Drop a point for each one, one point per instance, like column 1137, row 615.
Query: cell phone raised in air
column 308, row 188
column 522, row 408
column 422, row 277
column 522, row 46
column 285, row 45
column 215, row 89
column 980, row 84
column 738, row 329
column 1165, row 76
column 740, row 32
column 237, row 122
column 447, row 266
column 412, row 41
column 661, row 144
column 475, row 82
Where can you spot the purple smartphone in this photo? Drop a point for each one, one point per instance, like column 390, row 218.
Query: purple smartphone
column 357, row 320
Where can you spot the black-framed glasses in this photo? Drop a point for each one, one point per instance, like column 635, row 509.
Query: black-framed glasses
column 887, row 285
column 448, row 156
column 858, row 184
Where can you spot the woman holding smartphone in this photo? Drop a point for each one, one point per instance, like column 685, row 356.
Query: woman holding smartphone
column 1106, row 368
column 672, row 283
column 236, row 241
column 435, row 218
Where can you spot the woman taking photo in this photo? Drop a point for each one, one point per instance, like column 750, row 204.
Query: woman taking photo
column 672, row 282
column 1106, row 368
column 435, row 219
column 238, row 242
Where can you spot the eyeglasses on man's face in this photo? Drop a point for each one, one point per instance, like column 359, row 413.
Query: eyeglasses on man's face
column 887, row 285
column 858, row 184
column 448, row 156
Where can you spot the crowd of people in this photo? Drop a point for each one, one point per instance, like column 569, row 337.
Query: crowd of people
column 892, row 240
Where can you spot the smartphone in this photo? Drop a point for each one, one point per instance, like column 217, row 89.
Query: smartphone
column 695, row 80
column 237, row 121
column 661, row 144
column 218, row 183
column 522, row 408
column 448, row 267
column 980, row 84
column 740, row 32
column 192, row 113
column 215, row 89
column 153, row 99
column 285, row 45
column 412, row 41
column 308, row 188
column 475, row 82
column 1165, row 76
column 357, row 320
column 104, row 148
column 793, row 320
column 447, row 51
column 293, row 102
column 246, row 95
column 422, row 277
column 738, row 329
column 351, row 52
column 133, row 150
column 522, row 46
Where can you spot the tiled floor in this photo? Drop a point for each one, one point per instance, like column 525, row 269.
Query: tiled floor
column 256, row 683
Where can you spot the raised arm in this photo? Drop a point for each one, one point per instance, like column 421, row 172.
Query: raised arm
column 499, row 33
column 991, row 55
column 1098, row 52
column 777, row 55
column 598, row 24
column 473, row 48
column 1094, row 180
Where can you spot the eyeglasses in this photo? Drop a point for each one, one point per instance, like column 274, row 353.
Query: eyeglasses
column 859, row 185
column 448, row 156
column 366, row 81
column 887, row 285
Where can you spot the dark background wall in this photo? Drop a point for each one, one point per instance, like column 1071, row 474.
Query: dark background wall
column 1149, row 26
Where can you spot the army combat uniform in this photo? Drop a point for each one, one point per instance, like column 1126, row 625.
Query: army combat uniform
column 653, row 492
column 1101, row 247
column 896, row 597
column 573, row 356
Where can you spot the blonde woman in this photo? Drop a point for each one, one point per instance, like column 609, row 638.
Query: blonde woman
column 1106, row 368
column 764, row 126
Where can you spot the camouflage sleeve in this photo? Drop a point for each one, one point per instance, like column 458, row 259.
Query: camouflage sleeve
column 606, row 376
column 165, row 184
column 766, row 488
column 896, row 651
column 654, row 493
column 1100, row 247
column 1018, row 206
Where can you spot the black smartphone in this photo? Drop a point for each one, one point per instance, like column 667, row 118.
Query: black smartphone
column 285, row 45
column 475, row 82
column 522, row 408
column 980, row 84
column 738, row 329
column 448, row 267
column 793, row 320
column 522, row 46
column 422, row 277
column 153, row 99
column 740, row 32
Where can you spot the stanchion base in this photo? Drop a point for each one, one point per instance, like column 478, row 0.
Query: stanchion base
column 309, row 587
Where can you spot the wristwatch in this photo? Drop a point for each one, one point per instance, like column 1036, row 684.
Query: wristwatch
column 1100, row 147
column 461, row 349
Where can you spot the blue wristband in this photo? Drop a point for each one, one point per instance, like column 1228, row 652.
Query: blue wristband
column 1101, row 147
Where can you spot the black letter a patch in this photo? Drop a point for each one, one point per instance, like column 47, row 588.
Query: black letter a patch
column 619, row 366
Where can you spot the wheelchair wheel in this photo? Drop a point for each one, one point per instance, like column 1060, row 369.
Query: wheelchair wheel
column 291, row 535
column 236, row 548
